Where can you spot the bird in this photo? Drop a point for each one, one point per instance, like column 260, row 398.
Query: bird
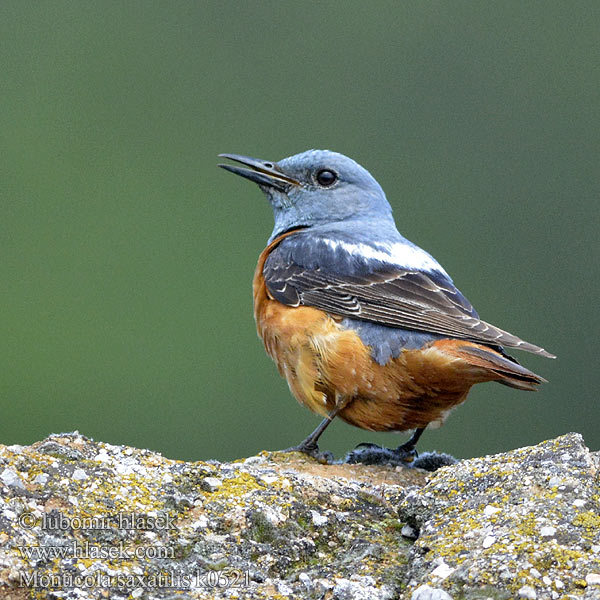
column 363, row 324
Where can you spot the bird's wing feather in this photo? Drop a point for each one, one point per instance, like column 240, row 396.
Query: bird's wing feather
column 388, row 295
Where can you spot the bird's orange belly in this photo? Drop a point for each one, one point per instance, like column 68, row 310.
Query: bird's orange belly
column 325, row 363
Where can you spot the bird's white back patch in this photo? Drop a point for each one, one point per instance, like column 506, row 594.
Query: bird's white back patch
column 403, row 255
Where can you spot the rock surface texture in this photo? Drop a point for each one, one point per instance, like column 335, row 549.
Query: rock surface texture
column 84, row 519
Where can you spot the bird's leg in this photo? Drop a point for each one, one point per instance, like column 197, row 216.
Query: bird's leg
column 309, row 445
column 408, row 451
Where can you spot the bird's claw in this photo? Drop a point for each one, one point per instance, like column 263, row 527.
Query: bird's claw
column 312, row 449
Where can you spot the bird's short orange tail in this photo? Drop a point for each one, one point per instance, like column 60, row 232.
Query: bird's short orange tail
column 503, row 369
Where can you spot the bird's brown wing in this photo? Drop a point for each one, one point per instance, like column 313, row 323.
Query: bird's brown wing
column 403, row 298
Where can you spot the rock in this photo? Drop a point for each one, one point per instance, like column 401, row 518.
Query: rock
column 528, row 592
column 425, row 592
column 92, row 520
column 11, row 479
column 79, row 474
column 211, row 484
column 409, row 532
column 534, row 488
column 592, row 578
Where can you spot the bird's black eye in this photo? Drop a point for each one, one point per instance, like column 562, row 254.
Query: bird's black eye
column 325, row 177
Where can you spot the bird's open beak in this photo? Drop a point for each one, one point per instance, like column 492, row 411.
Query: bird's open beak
column 262, row 172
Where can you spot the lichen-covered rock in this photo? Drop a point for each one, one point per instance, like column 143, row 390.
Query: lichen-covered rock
column 524, row 524
column 83, row 519
column 79, row 519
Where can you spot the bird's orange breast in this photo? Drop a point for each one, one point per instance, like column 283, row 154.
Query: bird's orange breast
column 324, row 363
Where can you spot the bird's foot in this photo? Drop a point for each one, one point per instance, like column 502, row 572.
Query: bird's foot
column 372, row 454
column 405, row 455
column 311, row 449
column 406, row 452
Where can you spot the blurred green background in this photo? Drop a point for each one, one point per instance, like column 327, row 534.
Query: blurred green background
column 127, row 256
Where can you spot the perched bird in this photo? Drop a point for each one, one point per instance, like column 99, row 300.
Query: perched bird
column 362, row 323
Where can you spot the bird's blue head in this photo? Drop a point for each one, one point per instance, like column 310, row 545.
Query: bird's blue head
column 315, row 187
